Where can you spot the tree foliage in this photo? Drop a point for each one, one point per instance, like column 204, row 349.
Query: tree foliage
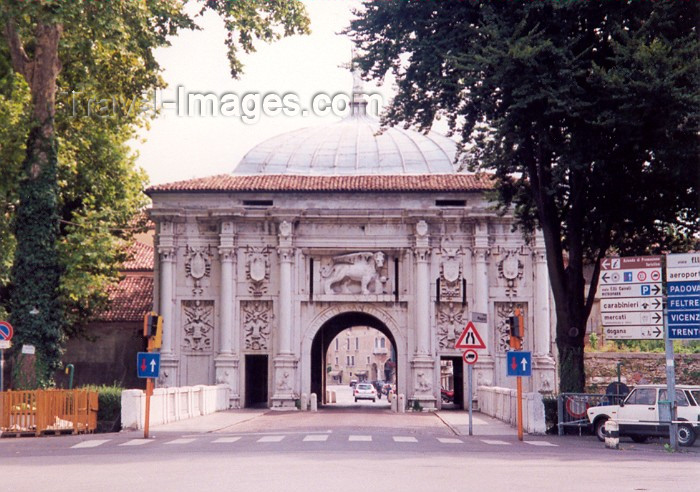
column 587, row 113
column 70, row 187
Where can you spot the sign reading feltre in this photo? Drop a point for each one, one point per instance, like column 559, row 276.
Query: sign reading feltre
column 683, row 281
column 631, row 305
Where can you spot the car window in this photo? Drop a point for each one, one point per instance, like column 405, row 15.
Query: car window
column 696, row 395
column 642, row 396
column 364, row 386
column 681, row 400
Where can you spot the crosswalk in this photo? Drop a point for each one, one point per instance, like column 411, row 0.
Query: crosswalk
column 307, row 438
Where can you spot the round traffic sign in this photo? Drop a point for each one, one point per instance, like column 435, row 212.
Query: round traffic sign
column 6, row 331
column 470, row 356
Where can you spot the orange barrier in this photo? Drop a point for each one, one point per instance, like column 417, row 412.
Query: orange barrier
column 48, row 411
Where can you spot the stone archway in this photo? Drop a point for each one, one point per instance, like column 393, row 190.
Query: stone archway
column 333, row 321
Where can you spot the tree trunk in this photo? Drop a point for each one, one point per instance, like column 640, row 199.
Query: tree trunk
column 34, row 303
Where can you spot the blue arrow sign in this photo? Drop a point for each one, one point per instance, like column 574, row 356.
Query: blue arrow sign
column 147, row 364
column 519, row 364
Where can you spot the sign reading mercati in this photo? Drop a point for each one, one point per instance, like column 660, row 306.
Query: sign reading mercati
column 683, row 284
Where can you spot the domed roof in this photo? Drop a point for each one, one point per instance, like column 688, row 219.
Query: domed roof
column 355, row 145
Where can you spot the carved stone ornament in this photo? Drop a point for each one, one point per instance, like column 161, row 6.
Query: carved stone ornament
column 422, row 228
column 503, row 311
column 258, row 269
column 451, row 274
column 198, row 325
column 510, row 269
column 283, row 383
column 257, row 320
column 198, row 265
column 423, row 386
column 285, row 229
column 450, row 324
column 355, row 273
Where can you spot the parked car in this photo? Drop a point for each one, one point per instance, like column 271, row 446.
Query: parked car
column 353, row 382
column 448, row 396
column 364, row 391
column 638, row 414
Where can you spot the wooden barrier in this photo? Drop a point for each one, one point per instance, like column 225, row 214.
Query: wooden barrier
column 48, row 411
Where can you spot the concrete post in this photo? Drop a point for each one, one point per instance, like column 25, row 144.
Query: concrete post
column 304, row 402
column 314, row 402
column 401, row 403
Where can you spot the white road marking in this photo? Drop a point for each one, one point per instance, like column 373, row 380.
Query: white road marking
column 271, row 438
column 405, row 439
column 90, row 444
column 180, row 441
column 360, row 438
column 316, row 438
column 540, row 443
column 495, row 442
column 136, row 442
column 225, row 440
column 449, row 440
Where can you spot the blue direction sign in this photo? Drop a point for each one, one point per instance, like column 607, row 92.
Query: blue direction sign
column 147, row 364
column 683, row 277
column 519, row 363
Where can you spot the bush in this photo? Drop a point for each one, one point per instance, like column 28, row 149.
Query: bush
column 551, row 417
column 110, row 407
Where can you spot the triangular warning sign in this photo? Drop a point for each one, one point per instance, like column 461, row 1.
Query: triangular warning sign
column 470, row 338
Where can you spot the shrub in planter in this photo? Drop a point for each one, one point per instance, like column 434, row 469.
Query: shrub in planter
column 110, row 407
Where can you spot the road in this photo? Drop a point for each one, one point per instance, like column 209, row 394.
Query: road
column 347, row 448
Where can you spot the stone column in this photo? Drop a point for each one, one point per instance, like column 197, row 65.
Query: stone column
column 481, row 281
column 423, row 364
column 227, row 360
column 166, row 256
column 284, row 362
column 543, row 362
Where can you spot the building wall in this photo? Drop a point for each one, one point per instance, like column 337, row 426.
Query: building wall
column 359, row 353
column 254, row 281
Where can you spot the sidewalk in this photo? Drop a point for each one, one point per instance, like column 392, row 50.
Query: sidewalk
column 210, row 423
column 482, row 425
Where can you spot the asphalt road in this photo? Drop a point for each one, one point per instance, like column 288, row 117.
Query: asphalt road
column 347, row 448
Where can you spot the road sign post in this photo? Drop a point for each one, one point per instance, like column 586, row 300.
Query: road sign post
column 470, row 341
column 6, row 333
column 148, row 363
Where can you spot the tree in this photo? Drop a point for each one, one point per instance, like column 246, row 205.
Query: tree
column 109, row 46
column 586, row 113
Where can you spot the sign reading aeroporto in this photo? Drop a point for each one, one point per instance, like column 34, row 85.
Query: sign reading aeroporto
column 683, row 281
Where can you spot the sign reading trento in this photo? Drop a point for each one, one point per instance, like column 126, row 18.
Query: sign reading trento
column 683, row 283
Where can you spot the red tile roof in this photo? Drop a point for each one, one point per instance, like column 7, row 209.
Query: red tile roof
column 130, row 300
column 285, row 182
column 140, row 258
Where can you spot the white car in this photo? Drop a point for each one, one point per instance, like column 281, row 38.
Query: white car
column 638, row 414
column 364, row 391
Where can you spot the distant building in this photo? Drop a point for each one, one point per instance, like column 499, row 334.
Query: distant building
column 360, row 353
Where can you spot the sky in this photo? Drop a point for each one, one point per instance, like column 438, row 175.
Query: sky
column 180, row 147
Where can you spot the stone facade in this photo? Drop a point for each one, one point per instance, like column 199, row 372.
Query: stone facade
column 273, row 273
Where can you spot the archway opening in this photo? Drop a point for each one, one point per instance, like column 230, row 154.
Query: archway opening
column 350, row 348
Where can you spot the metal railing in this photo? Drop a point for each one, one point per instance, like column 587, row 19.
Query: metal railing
column 44, row 411
column 572, row 408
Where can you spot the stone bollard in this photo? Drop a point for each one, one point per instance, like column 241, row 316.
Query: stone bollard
column 402, row 403
column 304, row 402
column 314, row 403
column 333, row 397
column 612, row 435
column 394, row 401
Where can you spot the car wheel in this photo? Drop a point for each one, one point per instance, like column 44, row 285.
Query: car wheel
column 640, row 439
column 686, row 435
column 355, row 400
column 374, row 400
column 600, row 428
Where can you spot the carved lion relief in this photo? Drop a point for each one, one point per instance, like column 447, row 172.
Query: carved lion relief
column 258, row 269
column 503, row 311
column 257, row 320
column 510, row 268
column 450, row 323
column 198, row 265
column 355, row 273
column 451, row 274
column 198, row 319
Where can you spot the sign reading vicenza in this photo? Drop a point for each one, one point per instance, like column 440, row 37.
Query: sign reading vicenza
column 683, row 277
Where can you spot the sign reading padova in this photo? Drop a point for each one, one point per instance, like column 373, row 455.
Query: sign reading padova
column 683, row 282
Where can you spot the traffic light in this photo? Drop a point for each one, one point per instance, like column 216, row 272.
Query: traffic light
column 153, row 329
column 516, row 329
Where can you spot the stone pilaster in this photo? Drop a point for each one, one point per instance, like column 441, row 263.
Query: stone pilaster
column 285, row 365
column 166, row 256
column 543, row 362
column 423, row 364
column 227, row 361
